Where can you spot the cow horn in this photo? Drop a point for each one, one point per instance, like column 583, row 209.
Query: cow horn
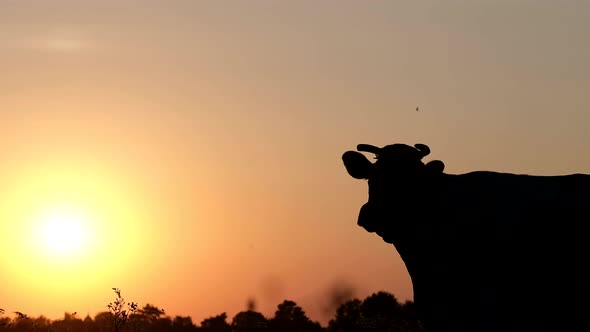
column 368, row 148
column 423, row 148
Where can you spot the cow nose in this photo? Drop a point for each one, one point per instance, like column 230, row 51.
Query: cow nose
column 367, row 218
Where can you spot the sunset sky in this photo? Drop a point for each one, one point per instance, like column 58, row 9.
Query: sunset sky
column 194, row 147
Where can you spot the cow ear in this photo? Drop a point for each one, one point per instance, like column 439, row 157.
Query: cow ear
column 423, row 148
column 357, row 165
column 435, row 167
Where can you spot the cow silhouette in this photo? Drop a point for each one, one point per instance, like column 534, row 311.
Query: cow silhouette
column 485, row 251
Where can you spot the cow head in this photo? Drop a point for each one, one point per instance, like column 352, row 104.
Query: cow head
column 397, row 182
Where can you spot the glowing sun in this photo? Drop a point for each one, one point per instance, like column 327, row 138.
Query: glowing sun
column 63, row 230
column 69, row 227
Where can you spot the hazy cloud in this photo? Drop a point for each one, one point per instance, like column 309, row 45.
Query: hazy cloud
column 272, row 288
column 63, row 44
column 251, row 304
column 66, row 39
column 336, row 294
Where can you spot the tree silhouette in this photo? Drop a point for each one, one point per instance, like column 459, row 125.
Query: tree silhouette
column 183, row 324
column 348, row 317
column 139, row 322
column 22, row 322
column 67, row 324
column 42, row 323
column 162, row 324
column 120, row 314
column 88, row 324
column 409, row 316
column 290, row 317
column 378, row 312
column 151, row 311
column 382, row 311
column 103, row 321
column 216, row 324
column 249, row 321
column 4, row 321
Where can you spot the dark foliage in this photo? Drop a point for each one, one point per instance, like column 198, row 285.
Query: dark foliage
column 378, row 312
column 249, row 321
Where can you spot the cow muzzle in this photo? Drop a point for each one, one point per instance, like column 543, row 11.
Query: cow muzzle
column 368, row 218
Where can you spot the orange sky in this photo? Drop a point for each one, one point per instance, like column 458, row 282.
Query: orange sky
column 202, row 140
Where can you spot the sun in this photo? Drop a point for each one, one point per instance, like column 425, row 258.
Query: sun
column 63, row 230
column 70, row 227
